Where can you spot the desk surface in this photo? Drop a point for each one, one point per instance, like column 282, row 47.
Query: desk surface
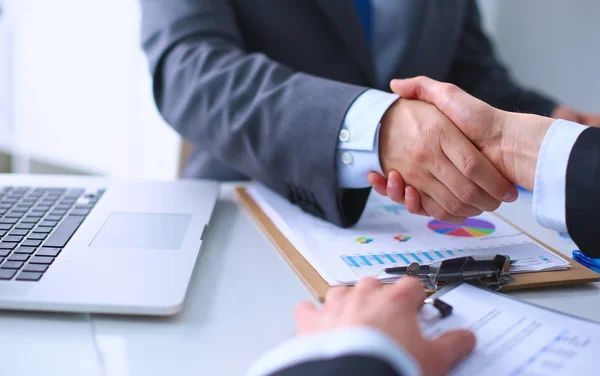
column 230, row 316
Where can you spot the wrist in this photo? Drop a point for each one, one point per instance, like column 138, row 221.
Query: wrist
column 522, row 139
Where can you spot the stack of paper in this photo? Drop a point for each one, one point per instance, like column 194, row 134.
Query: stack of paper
column 515, row 338
column 387, row 235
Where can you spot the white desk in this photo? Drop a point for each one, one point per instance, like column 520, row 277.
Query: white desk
column 240, row 303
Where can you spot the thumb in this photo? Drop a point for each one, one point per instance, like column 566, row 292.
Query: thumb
column 454, row 346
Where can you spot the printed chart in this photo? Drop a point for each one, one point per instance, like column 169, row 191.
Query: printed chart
column 472, row 228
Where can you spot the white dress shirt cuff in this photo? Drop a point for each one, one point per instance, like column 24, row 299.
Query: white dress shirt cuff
column 348, row 341
column 358, row 146
column 549, row 192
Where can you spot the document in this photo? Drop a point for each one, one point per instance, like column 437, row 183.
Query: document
column 387, row 235
column 515, row 338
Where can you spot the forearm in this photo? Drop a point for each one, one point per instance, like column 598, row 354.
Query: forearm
column 249, row 112
column 522, row 138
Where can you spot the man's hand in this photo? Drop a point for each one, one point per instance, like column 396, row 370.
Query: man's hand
column 570, row 114
column 510, row 141
column 391, row 310
column 454, row 178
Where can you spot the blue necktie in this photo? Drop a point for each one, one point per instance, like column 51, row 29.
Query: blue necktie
column 363, row 9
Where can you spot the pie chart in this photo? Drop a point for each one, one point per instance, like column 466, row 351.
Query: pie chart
column 472, row 228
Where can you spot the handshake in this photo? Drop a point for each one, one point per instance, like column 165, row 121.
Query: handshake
column 451, row 156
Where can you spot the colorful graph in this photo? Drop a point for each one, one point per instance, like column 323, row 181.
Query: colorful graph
column 472, row 228
column 386, row 259
column 402, row 238
column 364, row 240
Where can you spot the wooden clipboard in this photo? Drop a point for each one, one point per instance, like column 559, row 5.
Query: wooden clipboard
column 577, row 274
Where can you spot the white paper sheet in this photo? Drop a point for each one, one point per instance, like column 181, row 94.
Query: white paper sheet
column 515, row 338
column 387, row 235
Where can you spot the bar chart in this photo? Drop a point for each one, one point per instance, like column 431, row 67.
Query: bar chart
column 370, row 264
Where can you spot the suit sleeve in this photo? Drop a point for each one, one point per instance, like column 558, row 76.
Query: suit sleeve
column 351, row 365
column 476, row 69
column 348, row 351
column 251, row 113
column 583, row 192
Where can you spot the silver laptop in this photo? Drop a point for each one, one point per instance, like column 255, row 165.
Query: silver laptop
column 82, row 244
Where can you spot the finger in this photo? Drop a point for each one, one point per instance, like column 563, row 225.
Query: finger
column 462, row 188
column 454, row 345
column 437, row 211
column 304, row 310
column 395, row 187
column 378, row 182
column 336, row 293
column 591, row 120
column 410, row 291
column 367, row 285
column 447, row 200
column 448, row 98
column 412, row 201
column 476, row 167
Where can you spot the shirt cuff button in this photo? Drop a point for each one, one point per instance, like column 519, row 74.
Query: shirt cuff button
column 346, row 158
column 344, row 135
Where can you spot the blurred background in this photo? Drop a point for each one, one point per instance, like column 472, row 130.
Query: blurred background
column 75, row 93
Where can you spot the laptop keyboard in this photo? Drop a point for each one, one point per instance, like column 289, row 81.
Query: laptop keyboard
column 36, row 224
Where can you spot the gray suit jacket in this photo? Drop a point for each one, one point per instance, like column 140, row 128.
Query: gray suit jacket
column 261, row 87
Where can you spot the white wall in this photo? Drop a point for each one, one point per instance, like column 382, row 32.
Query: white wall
column 81, row 89
column 551, row 45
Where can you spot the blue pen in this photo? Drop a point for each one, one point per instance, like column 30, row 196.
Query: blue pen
column 591, row 263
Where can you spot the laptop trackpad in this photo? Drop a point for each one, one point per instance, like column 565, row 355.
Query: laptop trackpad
column 142, row 230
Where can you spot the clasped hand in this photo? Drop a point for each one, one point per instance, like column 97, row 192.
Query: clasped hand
column 449, row 155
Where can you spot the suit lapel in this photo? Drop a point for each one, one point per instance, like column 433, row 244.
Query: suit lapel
column 344, row 19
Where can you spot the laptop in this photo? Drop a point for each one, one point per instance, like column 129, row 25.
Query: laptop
column 84, row 244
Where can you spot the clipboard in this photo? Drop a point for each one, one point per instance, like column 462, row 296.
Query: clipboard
column 576, row 274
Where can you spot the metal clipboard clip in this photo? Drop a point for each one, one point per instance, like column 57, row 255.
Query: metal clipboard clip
column 492, row 273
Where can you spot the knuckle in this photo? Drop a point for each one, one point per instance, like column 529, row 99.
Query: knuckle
column 368, row 283
column 469, row 166
column 458, row 208
column 469, row 194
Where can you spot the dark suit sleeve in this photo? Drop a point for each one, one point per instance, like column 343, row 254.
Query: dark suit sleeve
column 477, row 70
column 583, row 192
column 251, row 113
column 350, row 365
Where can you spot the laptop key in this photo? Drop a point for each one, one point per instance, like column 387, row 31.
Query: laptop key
column 19, row 232
column 75, row 192
column 37, row 236
column 48, row 223
column 18, row 257
column 31, row 219
column 41, row 260
column 64, row 232
column 25, row 250
column 12, row 265
column 12, row 239
column 29, row 276
column 7, row 274
column 82, row 212
column 39, row 268
column 2, row 233
column 43, row 230
column 4, row 252
column 10, row 221
column 49, row 252
column 25, row 226
column 6, row 245
column 58, row 212
column 5, row 226
column 31, row 243
column 52, row 218
column 14, row 214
